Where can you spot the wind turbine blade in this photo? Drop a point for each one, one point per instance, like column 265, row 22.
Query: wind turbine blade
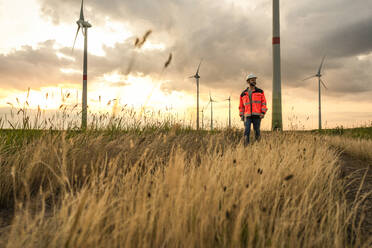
column 207, row 105
column 197, row 72
column 323, row 84
column 82, row 10
column 309, row 78
column 192, row 77
column 321, row 66
column 77, row 32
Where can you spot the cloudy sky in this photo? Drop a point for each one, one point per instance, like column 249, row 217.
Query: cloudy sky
column 232, row 36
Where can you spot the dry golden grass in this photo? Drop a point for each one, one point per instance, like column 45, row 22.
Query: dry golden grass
column 361, row 148
column 175, row 189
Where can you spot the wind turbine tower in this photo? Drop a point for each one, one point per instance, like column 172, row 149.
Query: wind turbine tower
column 202, row 111
column 320, row 83
column 277, row 123
column 211, row 101
column 84, row 25
column 197, row 77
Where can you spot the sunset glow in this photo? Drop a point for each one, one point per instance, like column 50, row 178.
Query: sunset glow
column 37, row 54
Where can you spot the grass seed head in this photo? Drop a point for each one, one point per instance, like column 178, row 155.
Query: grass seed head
column 289, row 177
column 168, row 62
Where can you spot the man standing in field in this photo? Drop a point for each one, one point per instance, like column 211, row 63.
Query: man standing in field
column 252, row 108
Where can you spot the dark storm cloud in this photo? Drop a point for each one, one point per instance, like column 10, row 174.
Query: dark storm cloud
column 355, row 38
column 338, row 29
column 234, row 40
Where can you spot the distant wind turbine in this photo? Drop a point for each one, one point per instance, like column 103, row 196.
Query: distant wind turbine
column 229, row 99
column 320, row 81
column 84, row 25
column 211, row 101
column 197, row 77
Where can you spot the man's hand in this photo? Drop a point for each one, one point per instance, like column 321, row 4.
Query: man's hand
column 262, row 116
column 242, row 117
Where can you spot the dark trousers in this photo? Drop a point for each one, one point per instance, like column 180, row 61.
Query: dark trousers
column 256, row 121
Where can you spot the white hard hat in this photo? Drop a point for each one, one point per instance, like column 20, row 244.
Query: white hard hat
column 250, row 76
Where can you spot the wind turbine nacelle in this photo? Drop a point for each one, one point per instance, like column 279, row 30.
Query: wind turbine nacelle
column 84, row 24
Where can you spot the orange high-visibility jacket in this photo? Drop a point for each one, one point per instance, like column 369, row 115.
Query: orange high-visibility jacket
column 256, row 107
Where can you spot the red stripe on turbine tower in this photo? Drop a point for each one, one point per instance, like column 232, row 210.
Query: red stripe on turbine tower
column 276, row 40
column 85, row 77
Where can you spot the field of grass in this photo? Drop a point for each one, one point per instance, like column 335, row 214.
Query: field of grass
column 355, row 141
column 360, row 132
column 173, row 187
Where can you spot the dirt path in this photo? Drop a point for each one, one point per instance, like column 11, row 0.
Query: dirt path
column 353, row 170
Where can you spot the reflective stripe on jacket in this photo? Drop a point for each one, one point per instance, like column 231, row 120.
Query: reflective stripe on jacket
column 258, row 105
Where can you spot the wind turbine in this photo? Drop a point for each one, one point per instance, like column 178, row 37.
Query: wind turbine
column 320, row 81
column 277, row 123
column 197, row 77
column 84, row 25
column 229, row 99
column 211, row 101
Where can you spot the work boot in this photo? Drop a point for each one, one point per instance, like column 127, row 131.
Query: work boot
column 246, row 141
